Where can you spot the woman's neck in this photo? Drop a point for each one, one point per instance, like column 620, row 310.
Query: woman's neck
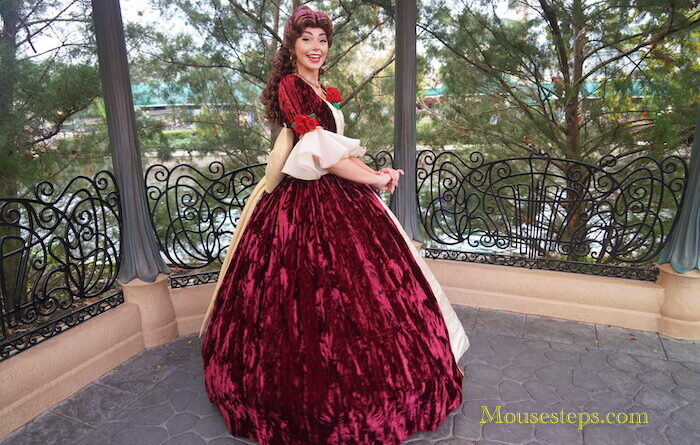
column 310, row 76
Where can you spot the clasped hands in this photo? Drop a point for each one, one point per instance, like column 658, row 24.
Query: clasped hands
column 387, row 185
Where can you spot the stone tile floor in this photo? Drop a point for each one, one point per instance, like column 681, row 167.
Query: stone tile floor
column 522, row 363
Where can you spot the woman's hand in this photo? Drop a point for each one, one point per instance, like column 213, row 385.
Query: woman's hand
column 383, row 182
column 394, row 177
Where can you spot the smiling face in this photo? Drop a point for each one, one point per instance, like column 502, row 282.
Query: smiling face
column 311, row 50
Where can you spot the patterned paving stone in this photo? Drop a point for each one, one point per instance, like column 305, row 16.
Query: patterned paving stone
column 687, row 378
column 607, row 434
column 450, row 441
column 555, row 375
column 517, row 373
column 657, row 379
column 49, row 428
column 567, row 358
column 119, row 433
column 497, row 322
column 187, row 349
column 593, row 360
column 626, row 362
column 93, row 405
column 506, row 432
column 624, row 340
column 622, row 382
column 186, row 439
column 479, row 392
column 511, row 391
column 467, row 315
column 465, row 429
column 606, row 402
column 182, row 422
column 520, row 364
column 588, row 380
column 680, row 436
column 541, row 392
column 484, row 373
column 558, row 433
column 688, row 415
column 659, row 399
column 562, row 331
column 140, row 373
column 682, row 350
column 651, row 435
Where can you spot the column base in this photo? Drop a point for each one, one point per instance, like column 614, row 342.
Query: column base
column 158, row 322
column 680, row 311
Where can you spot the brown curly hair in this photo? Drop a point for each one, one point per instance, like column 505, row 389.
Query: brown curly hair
column 302, row 18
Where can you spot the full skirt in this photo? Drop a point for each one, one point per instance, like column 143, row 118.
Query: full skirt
column 325, row 330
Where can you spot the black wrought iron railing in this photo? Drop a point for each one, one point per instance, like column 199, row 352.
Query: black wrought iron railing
column 59, row 256
column 194, row 212
column 60, row 251
column 610, row 218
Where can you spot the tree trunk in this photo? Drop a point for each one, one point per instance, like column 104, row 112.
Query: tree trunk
column 9, row 14
column 11, row 245
column 575, row 189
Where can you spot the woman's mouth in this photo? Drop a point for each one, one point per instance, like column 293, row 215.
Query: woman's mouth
column 314, row 58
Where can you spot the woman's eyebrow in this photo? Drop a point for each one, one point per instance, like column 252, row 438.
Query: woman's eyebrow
column 321, row 34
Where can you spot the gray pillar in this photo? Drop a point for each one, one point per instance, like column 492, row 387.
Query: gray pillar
column 404, row 203
column 682, row 248
column 140, row 252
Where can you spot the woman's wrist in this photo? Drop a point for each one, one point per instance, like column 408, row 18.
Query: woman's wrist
column 382, row 179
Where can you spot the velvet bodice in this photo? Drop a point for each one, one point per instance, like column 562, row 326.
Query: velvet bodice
column 297, row 97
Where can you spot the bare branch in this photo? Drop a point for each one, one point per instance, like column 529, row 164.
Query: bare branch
column 651, row 41
column 248, row 14
column 368, row 79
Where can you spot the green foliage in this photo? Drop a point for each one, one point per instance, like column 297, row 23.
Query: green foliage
column 225, row 68
column 40, row 93
column 46, row 95
column 577, row 80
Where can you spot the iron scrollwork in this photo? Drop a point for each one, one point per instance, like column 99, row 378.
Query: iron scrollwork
column 193, row 213
column 539, row 208
column 57, row 249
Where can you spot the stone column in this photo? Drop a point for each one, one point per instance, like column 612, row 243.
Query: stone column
column 140, row 251
column 143, row 274
column 158, row 322
column 679, row 262
column 404, row 203
column 680, row 311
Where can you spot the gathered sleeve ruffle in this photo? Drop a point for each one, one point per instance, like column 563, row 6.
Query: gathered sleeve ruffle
column 318, row 150
column 317, row 147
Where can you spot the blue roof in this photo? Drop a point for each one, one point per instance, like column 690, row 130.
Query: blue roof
column 167, row 93
column 433, row 92
column 590, row 89
column 171, row 93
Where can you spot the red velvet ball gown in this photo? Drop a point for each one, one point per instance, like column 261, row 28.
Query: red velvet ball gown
column 328, row 327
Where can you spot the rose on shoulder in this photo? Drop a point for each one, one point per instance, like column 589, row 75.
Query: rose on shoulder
column 333, row 95
column 304, row 123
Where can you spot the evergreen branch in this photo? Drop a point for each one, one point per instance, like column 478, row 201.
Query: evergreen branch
column 368, row 79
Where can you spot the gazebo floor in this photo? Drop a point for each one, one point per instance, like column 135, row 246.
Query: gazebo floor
column 523, row 363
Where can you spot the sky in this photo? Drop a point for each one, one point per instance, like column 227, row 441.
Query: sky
column 140, row 11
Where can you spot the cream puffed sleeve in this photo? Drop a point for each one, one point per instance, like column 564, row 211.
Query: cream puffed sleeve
column 317, row 150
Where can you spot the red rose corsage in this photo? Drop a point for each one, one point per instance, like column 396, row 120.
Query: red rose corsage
column 304, row 123
column 334, row 97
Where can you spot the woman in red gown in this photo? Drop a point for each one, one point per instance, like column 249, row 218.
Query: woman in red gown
column 327, row 327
